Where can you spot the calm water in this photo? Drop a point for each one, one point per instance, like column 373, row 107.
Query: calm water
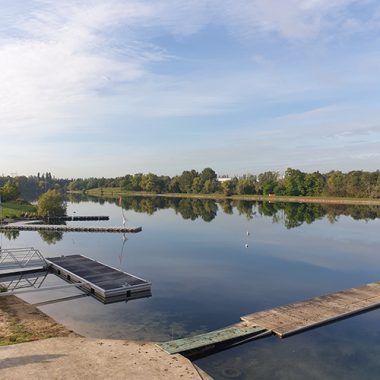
column 211, row 263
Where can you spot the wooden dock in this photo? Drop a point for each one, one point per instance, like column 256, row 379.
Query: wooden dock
column 214, row 340
column 282, row 321
column 64, row 228
column 296, row 317
column 105, row 283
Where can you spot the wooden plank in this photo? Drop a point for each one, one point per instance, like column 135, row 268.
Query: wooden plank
column 292, row 318
column 210, row 338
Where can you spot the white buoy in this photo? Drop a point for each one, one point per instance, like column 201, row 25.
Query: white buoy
column 246, row 246
column 248, row 233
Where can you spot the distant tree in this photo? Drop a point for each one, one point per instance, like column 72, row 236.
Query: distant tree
column 227, row 187
column 51, row 204
column 294, row 182
column 150, row 183
column 208, row 173
column 336, row 184
column 245, row 186
column 210, row 186
column 267, row 182
column 173, row 186
column 136, row 182
column 197, row 185
column 186, row 180
column 314, row 183
column 9, row 191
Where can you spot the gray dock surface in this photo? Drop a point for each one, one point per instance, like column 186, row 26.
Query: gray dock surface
column 102, row 281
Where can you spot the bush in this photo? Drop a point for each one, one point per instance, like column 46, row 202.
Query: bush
column 51, row 204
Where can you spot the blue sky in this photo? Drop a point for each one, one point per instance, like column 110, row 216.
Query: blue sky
column 105, row 88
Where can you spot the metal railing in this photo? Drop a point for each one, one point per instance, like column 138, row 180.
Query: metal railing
column 15, row 261
column 20, row 258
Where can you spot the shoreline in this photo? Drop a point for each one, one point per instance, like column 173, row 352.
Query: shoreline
column 32, row 343
column 116, row 192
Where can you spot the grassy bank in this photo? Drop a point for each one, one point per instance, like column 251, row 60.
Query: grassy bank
column 21, row 322
column 17, row 209
column 115, row 192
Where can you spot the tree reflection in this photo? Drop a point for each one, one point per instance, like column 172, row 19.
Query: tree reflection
column 51, row 237
column 11, row 234
column 245, row 208
column 292, row 215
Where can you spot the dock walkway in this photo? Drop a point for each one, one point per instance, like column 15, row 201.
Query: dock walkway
column 64, row 228
column 282, row 321
column 293, row 318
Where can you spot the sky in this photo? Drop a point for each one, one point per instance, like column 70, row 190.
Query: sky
column 108, row 88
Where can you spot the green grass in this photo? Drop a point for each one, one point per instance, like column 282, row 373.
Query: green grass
column 114, row 192
column 17, row 209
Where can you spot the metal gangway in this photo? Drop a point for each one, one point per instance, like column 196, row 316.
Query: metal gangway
column 21, row 268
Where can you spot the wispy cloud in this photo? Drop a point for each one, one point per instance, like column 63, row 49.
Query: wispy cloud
column 80, row 65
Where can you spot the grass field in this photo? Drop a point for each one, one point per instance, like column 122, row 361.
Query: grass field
column 16, row 209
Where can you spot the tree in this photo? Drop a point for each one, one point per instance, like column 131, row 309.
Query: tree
column 9, row 191
column 51, row 204
column 227, row 187
column 267, row 182
column 245, row 186
column 314, row 183
column 210, row 186
column 197, row 185
column 208, row 173
column 150, row 183
column 185, row 180
column 336, row 184
column 294, row 182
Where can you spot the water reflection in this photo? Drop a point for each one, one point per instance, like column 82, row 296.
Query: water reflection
column 11, row 234
column 51, row 237
column 290, row 214
column 205, row 279
column 17, row 281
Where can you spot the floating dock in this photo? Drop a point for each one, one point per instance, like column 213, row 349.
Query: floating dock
column 78, row 218
column 27, row 268
column 63, row 228
column 296, row 317
column 281, row 321
column 105, row 283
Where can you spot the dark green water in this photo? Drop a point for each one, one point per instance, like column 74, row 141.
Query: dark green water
column 207, row 271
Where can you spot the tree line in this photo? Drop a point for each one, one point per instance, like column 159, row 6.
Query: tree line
column 294, row 182
column 356, row 184
column 31, row 187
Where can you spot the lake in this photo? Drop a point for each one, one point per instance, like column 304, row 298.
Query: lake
column 210, row 263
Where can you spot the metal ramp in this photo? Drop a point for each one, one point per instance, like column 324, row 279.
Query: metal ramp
column 21, row 260
column 21, row 268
